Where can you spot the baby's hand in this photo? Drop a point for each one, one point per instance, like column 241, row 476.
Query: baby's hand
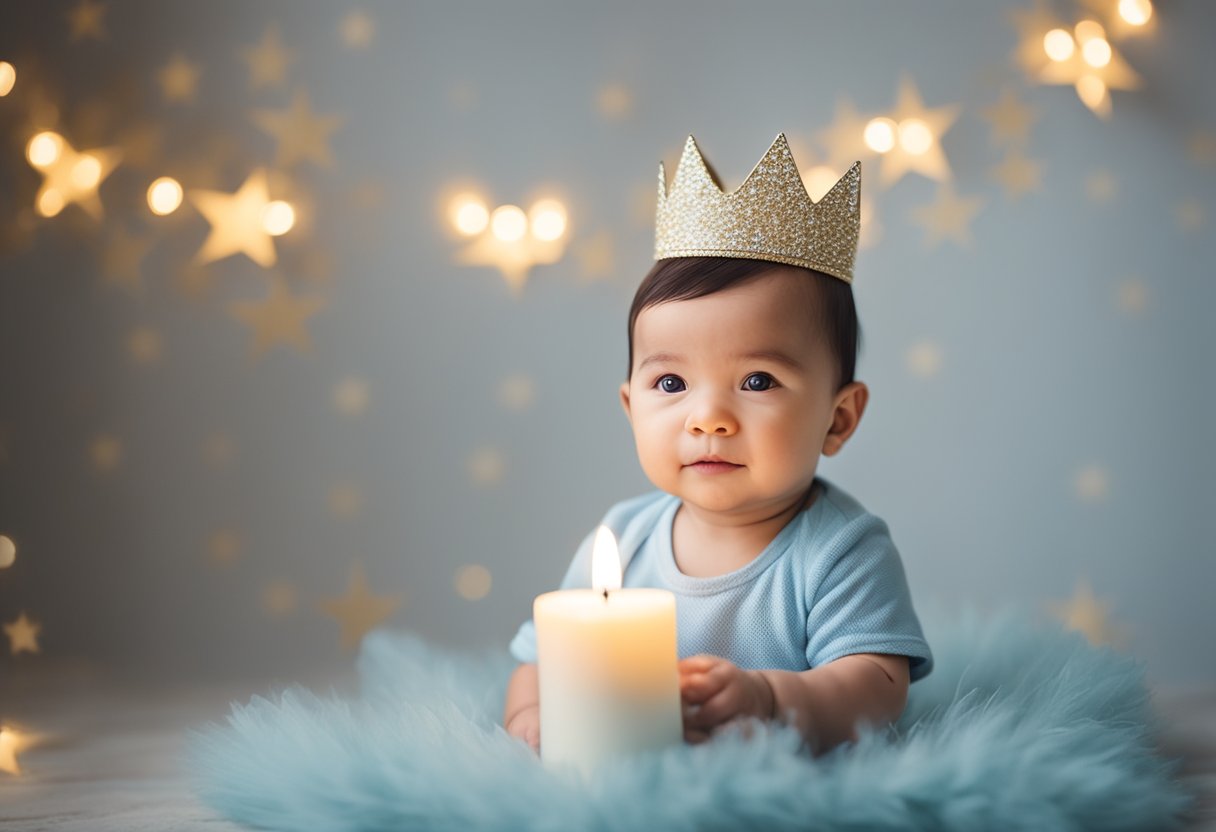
column 714, row 691
column 526, row 725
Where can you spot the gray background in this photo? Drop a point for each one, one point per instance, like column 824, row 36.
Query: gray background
column 1044, row 372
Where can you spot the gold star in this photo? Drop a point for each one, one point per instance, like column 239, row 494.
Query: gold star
column 85, row 21
column 106, row 453
column 513, row 258
column 179, row 79
column 302, row 135
column 949, row 215
column 473, row 582
column 123, row 254
column 1202, row 148
column 931, row 160
column 11, row 744
column 1083, row 613
column 75, row 177
column 1010, row 119
column 1100, row 186
column 358, row 611
column 844, row 140
column 595, row 256
column 357, row 30
column 144, row 344
column 279, row 319
column 614, row 101
column 23, row 635
column 268, row 60
column 1018, row 175
column 236, row 222
column 1190, row 215
column 224, row 546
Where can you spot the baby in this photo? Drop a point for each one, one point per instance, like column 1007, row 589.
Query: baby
column 791, row 599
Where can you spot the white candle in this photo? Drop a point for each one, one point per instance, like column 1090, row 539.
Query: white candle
column 607, row 664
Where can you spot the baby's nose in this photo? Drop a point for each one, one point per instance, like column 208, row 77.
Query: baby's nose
column 712, row 418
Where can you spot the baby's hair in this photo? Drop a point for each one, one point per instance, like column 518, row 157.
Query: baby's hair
column 685, row 278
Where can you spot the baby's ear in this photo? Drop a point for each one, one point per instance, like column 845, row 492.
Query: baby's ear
column 625, row 401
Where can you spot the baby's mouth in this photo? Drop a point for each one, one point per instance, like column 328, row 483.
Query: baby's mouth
column 713, row 465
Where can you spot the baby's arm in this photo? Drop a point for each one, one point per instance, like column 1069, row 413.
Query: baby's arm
column 824, row 703
column 521, row 711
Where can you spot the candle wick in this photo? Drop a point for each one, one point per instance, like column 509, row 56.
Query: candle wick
column 605, row 593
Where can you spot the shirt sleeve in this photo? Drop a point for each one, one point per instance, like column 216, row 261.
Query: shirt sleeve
column 578, row 576
column 862, row 603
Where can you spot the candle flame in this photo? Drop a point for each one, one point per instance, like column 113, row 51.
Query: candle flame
column 11, row 743
column 605, row 561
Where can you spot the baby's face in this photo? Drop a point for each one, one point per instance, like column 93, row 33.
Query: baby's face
column 742, row 375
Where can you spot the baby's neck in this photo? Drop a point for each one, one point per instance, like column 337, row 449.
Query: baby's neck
column 705, row 544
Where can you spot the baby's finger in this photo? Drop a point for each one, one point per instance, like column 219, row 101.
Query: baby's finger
column 719, row 708
column 700, row 663
column 695, row 688
column 532, row 736
column 695, row 736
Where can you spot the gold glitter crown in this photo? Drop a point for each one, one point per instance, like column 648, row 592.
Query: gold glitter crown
column 770, row 216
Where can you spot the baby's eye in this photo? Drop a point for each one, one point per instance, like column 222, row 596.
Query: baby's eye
column 759, row 381
column 670, row 384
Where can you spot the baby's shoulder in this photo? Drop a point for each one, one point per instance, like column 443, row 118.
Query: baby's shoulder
column 836, row 523
column 634, row 512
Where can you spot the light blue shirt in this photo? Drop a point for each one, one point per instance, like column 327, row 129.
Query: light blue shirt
column 830, row 584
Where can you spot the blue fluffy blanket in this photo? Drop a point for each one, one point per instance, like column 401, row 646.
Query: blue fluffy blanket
column 1018, row 727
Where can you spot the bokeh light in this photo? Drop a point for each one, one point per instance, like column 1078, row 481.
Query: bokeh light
column 86, row 173
column 8, row 77
column 880, row 135
column 547, row 218
column 43, row 149
column 469, row 215
column 508, row 223
column 50, row 203
column 8, row 551
column 1136, row 12
column 1092, row 91
column 278, row 217
column 1088, row 30
column 915, row 137
column 1096, row 52
column 1059, row 45
column 164, row 196
column 819, row 180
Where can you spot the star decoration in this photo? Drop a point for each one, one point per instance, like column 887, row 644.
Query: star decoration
column 473, row 582
column 121, row 258
column 75, row 177
column 932, row 162
column 1190, row 215
column 224, row 547
column 513, row 258
column 85, row 21
column 844, row 140
column 236, row 222
column 595, row 256
column 350, row 396
column 11, row 744
column 948, row 216
column 268, row 60
column 301, row 134
column 1010, row 119
column 106, row 453
column 1100, row 186
column 358, row 611
column 145, row 345
column 1085, row 614
column 357, row 30
column 23, row 635
column 179, row 79
column 279, row 319
column 1018, row 175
